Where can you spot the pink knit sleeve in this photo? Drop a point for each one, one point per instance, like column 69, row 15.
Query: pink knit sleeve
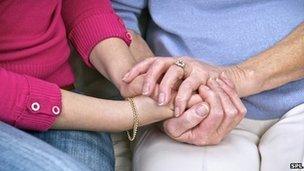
column 27, row 102
column 91, row 21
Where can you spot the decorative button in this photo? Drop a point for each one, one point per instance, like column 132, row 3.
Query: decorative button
column 55, row 110
column 129, row 36
column 35, row 106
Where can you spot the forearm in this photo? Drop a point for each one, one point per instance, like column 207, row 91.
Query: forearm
column 81, row 112
column 112, row 58
column 274, row 67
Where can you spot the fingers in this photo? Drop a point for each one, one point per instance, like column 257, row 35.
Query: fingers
column 194, row 99
column 177, row 126
column 140, row 68
column 155, row 71
column 210, row 131
column 216, row 115
column 230, row 111
column 234, row 98
column 170, row 79
column 184, row 93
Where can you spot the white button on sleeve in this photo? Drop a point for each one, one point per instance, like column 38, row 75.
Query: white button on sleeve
column 35, row 106
column 56, row 110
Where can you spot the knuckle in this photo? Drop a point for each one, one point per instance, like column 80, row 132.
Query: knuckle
column 157, row 61
column 211, row 94
column 218, row 114
column 209, row 83
column 231, row 113
column 241, row 115
column 243, row 111
column 157, row 64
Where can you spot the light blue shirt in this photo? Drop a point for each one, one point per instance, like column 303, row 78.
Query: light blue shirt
column 222, row 32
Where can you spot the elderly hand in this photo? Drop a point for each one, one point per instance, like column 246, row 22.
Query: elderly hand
column 226, row 109
column 194, row 74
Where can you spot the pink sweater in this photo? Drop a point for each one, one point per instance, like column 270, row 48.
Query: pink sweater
column 34, row 53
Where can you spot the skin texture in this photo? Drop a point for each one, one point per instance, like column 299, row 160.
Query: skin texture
column 262, row 72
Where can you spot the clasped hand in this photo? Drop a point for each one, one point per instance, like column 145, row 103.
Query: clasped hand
column 205, row 101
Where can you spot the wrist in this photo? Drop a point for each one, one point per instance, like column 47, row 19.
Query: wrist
column 247, row 80
column 150, row 112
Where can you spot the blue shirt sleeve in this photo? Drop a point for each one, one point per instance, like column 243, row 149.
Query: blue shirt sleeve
column 130, row 11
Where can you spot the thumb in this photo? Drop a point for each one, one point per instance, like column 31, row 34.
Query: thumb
column 194, row 99
column 175, row 127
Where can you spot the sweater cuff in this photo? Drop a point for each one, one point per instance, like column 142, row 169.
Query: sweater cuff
column 43, row 105
column 94, row 29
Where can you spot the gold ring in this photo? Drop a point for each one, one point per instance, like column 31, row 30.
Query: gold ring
column 180, row 63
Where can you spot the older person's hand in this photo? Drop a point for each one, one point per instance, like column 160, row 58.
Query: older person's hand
column 194, row 74
column 226, row 109
column 211, row 129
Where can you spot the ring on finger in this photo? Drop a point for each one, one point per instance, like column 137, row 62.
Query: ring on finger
column 180, row 63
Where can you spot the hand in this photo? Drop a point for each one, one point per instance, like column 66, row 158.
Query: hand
column 132, row 89
column 196, row 73
column 150, row 112
column 226, row 111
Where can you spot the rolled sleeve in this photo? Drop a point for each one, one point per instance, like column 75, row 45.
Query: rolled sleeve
column 89, row 23
column 42, row 105
column 27, row 102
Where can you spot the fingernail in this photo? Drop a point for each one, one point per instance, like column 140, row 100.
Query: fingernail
column 146, row 89
column 202, row 110
column 176, row 110
column 161, row 98
column 126, row 77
